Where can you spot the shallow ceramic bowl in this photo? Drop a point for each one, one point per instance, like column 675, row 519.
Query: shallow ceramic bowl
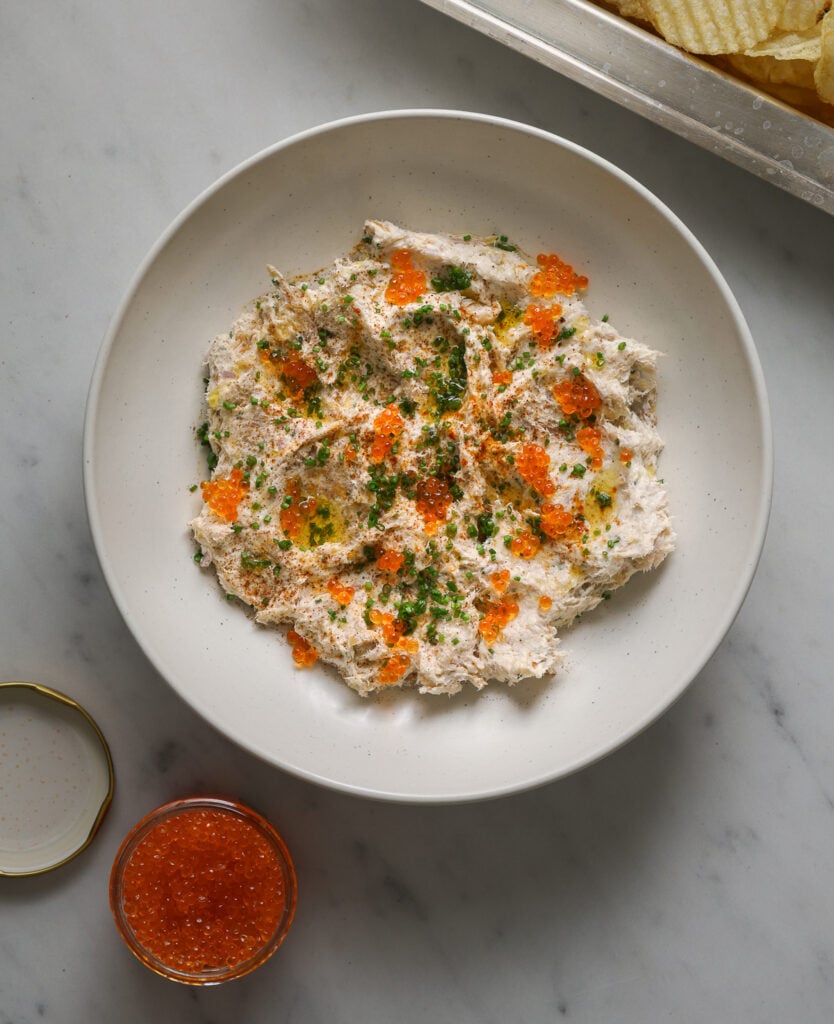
column 298, row 205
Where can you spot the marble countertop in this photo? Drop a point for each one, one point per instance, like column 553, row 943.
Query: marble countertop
column 686, row 877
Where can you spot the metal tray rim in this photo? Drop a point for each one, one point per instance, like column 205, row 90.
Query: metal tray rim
column 642, row 72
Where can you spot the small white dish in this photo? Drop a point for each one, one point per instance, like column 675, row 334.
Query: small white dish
column 56, row 778
column 299, row 204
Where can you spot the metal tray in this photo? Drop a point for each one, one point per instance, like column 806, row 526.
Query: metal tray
column 644, row 73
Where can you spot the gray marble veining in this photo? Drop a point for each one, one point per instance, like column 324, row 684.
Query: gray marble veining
column 686, row 877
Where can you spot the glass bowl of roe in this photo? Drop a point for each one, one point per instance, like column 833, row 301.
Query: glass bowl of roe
column 203, row 890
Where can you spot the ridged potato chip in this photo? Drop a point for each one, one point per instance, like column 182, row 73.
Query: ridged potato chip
column 770, row 70
column 824, row 74
column 714, row 26
column 785, row 47
column 790, row 46
column 800, row 14
column 632, row 9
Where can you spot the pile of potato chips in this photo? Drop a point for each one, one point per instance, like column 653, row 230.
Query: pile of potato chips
column 784, row 46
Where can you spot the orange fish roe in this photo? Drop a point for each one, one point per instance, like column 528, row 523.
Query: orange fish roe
column 392, row 628
column 340, row 592
column 555, row 520
column 408, row 643
column 555, row 276
column 393, row 669
column 303, row 653
column 577, row 395
column 532, row 463
column 204, row 890
column 298, row 373
column 407, row 283
column 497, row 617
column 525, row 545
column 350, row 454
column 390, row 561
column 626, row 455
column 224, row 494
column 502, row 377
column 545, row 603
column 387, row 428
column 299, row 513
column 589, row 439
column 500, row 580
column 433, row 501
column 543, row 321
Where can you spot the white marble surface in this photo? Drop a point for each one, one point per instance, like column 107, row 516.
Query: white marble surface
column 687, row 877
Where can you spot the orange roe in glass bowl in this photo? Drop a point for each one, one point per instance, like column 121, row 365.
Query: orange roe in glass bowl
column 203, row 890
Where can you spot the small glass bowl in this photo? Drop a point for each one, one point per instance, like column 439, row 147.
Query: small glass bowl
column 216, row 974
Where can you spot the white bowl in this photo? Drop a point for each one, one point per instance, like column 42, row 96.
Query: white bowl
column 299, row 204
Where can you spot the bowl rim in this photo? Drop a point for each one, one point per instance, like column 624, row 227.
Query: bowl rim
column 757, row 531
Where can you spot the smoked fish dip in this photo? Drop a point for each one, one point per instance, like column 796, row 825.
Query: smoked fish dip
column 427, row 460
